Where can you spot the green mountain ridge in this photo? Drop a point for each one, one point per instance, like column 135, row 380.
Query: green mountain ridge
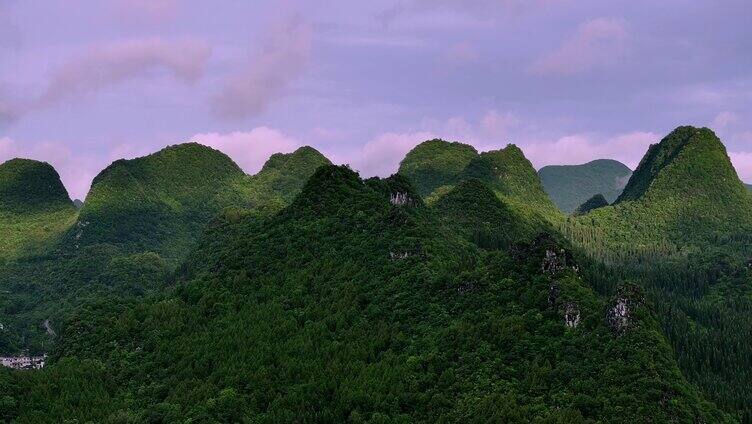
column 305, row 293
column 569, row 186
column 356, row 303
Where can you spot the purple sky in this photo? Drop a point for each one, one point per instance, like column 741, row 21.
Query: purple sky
column 85, row 82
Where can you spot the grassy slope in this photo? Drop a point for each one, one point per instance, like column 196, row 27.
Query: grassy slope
column 307, row 316
column 571, row 185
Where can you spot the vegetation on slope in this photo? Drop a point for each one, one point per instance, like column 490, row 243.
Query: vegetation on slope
column 569, row 186
column 506, row 171
column 34, row 207
column 357, row 304
column 595, row 202
column 682, row 229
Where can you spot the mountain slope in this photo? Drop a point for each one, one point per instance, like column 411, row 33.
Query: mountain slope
column 439, row 165
column 595, row 202
column 571, row 185
column 683, row 229
column 34, row 207
column 356, row 304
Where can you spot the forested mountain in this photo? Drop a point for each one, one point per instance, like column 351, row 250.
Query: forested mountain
column 572, row 185
column 683, row 229
column 34, row 207
column 356, row 303
column 141, row 218
column 455, row 290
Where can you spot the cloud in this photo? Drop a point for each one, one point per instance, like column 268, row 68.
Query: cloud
column 107, row 64
column 575, row 149
column 76, row 169
column 725, row 119
column 249, row 149
column 268, row 73
column 382, row 155
column 743, row 163
column 597, row 43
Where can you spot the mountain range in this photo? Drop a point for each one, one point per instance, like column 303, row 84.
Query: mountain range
column 184, row 290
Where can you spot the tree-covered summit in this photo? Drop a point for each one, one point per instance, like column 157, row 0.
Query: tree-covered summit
column 689, row 161
column 28, row 186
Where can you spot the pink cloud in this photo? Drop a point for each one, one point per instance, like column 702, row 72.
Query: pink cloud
column 597, row 43
column 382, row 155
column 76, row 169
column 576, row 149
column 106, row 64
column 743, row 163
column 249, row 149
column 268, row 73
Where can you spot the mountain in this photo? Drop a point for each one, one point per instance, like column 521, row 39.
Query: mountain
column 571, row 185
column 162, row 201
column 749, row 186
column 682, row 228
column 684, row 192
column 436, row 166
column 356, row 303
column 595, row 202
column 34, row 206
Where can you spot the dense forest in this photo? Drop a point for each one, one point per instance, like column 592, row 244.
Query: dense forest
column 455, row 290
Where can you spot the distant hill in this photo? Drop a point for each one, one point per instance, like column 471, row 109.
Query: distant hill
column 34, row 206
column 749, row 186
column 571, row 185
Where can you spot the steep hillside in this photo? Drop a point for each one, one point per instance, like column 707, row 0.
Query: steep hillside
column 595, row 202
column 356, row 304
column 683, row 229
column 684, row 193
column 569, row 186
column 34, row 207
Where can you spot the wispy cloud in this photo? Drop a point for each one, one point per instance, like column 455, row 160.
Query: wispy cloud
column 596, row 43
column 106, row 64
column 268, row 73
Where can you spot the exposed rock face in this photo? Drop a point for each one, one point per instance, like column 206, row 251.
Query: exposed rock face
column 555, row 262
column 401, row 199
column 620, row 313
column 571, row 315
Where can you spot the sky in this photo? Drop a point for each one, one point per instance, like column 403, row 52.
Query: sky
column 85, row 82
